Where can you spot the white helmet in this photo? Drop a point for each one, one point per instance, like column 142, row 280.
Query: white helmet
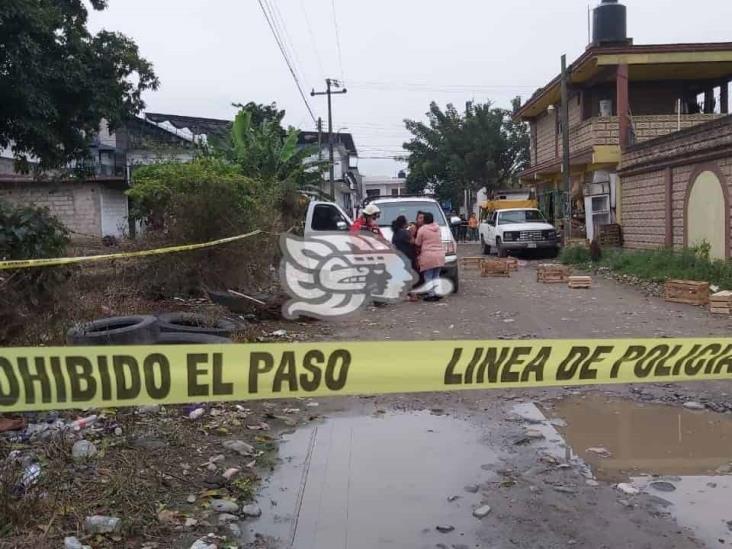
column 371, row 209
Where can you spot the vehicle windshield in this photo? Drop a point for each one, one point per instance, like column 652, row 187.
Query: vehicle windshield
column 390, row 211
column 520, row 216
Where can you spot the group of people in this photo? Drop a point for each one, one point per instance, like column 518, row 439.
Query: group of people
column 420, row 241
column 464, row 230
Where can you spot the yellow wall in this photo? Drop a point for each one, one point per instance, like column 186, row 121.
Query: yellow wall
column 705, row 214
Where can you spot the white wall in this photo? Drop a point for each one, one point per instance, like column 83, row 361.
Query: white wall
column 384, row 186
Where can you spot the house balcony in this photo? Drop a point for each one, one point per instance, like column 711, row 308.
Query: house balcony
column 596, row 141
column 605, row 131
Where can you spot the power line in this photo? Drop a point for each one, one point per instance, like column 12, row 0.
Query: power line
column 447, row 88
column 285, row 35
column 312, row 38
column 286, row 58
column 338, row 38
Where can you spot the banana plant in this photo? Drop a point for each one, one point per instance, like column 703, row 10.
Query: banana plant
column 263, row 151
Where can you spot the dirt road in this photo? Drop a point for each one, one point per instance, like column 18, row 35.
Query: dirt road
column 414, row 471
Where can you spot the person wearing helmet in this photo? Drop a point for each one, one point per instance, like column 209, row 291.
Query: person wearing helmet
column 368, row 221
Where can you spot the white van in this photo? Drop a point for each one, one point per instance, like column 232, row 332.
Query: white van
column 329, row 217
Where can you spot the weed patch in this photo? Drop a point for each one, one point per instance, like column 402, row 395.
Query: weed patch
column 658, row 265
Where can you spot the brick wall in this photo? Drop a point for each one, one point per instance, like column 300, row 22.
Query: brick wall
column 75, row 204
column 605, row 131
column 644, row 210
column 643, row 179
column 548, row 143
column 650, row 127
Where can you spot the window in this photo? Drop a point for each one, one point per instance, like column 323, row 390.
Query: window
column 389, row 212
column 521, row 216
column 395, row 192
column 326, row 218
column 372, row 193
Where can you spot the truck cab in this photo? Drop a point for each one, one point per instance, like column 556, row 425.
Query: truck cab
column 517, row 230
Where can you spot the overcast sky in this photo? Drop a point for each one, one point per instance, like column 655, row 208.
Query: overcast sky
column 396, row 55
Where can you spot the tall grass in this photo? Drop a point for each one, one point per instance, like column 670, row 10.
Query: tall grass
column 658, row 265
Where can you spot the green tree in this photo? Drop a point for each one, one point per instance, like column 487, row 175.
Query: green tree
column 482, row 147
column 263, row 113
column 58, row 81
column 260, row 148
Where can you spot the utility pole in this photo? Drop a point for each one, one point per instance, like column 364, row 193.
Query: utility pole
column 329, row 85
column 320, row 139
column 566, row 176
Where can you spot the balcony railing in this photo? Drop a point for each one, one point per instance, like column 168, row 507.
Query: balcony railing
column 605, row 131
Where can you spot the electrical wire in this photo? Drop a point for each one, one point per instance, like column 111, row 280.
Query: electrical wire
column 312, row 39
column 288, row 61
column 338, row 39
column 447, row 88
column 286, row 38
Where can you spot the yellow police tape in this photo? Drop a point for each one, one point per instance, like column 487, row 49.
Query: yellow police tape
column 55, row 261
column 41, row 378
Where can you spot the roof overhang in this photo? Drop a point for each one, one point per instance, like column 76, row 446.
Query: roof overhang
column 712, row 61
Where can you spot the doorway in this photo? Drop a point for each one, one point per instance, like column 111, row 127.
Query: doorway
column 706, row 214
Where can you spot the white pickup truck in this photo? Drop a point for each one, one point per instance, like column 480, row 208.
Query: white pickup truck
column 518, row 229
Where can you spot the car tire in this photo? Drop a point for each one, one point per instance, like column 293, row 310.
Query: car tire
column 116, row 330
column 455, row 284
column 500, row 252
column 552, row 253
column 195, row 324
column 486, row 247
column 196, row 338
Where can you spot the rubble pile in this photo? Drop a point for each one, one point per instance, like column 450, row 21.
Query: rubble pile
column 181, row 472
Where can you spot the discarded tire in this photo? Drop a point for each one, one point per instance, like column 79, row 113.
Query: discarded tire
column 173, row 338
column 195, row 324
column 116, row 330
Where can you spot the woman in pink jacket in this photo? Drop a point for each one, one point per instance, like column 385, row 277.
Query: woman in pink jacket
column 431, row 254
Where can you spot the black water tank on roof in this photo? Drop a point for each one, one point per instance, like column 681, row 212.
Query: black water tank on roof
column 609, row 23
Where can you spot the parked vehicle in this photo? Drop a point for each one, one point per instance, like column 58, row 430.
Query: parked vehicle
column 329, row 217
column 408, row 206
column 518, row 229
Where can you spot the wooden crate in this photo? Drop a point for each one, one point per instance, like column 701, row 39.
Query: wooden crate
column 471, row 262
column 494, row 267
column 550, row 273
column 721, row 303
column 610, row 236
column 512, row 262
column 690, row 292
column 579, row 282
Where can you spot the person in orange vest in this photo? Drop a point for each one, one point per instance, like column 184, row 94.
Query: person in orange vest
column 473, row 227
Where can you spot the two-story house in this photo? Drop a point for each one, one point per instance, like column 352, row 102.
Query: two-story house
column 620, row 95
column 382, row 186
column 348, row 181
column 89, row 197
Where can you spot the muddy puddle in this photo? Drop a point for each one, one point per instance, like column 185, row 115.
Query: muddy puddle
column 371, row 482
column 681, row 458
column 644, row 438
